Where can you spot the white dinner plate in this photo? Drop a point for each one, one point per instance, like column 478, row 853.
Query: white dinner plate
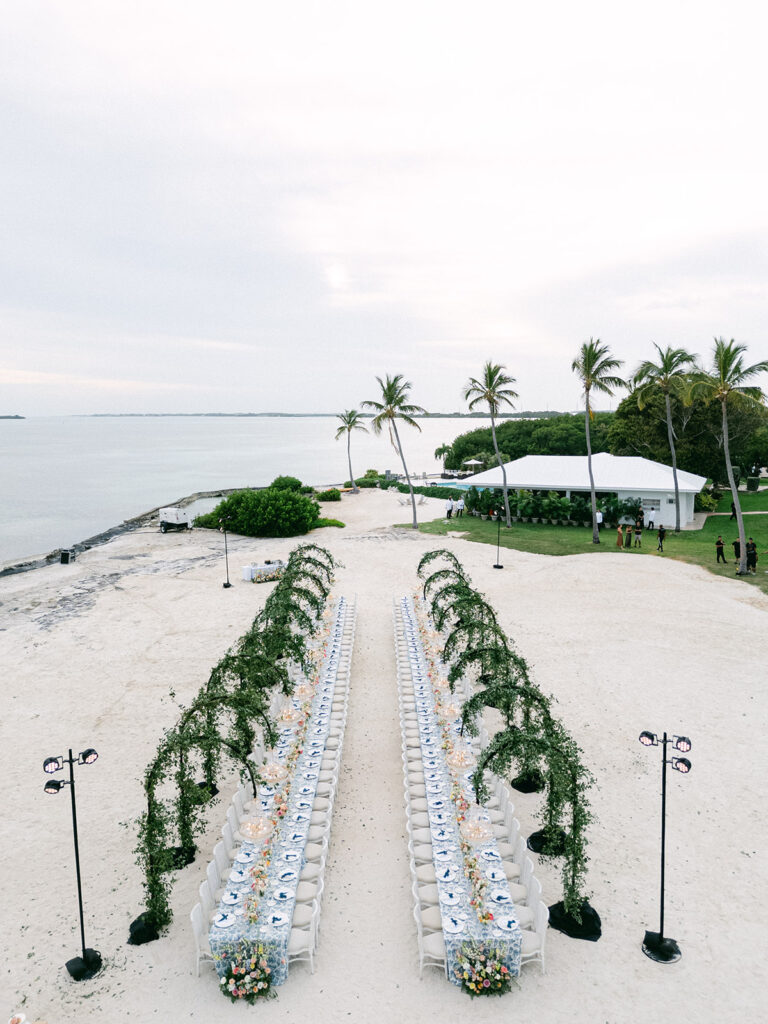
column 284, row 895
column 291, row 856
column 499, row 896
column 453, row 925
column 442, row 835
column 446, row 874
column 438, row 818
column 443, row 856
column 224, row 920
column 492, row 855
column 296, row 837
column 238, row 876
column 505, row 924
column 276, row 920
column 310, row 775
column 288, row 875
column 450, row 898
column 245, row 858
column 231, row 898
column 495, row 875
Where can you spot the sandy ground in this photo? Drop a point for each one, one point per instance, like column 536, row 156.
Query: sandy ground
column 90, row 651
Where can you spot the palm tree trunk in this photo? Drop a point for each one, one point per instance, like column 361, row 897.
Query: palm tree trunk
column 405, row 470
column 734, row 491
column 671, row 437
column 355, row 489
column 595, row 531
column 503, row 472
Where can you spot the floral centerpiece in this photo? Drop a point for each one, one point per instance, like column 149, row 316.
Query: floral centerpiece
column 248, row 976
column 481, row 971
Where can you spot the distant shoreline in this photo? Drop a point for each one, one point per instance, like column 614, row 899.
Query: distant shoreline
column 314, row 415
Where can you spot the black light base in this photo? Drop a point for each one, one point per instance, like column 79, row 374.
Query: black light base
column 531, row 782
column 552, row 847
column 80, row 969
column 589, row 927
column 142, row 930
column 498, row 567
column 661, row 949
column 225, row 585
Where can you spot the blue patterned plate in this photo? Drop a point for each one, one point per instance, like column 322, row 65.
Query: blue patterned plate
column 276, row 920
column 446, row 874
column 284, row 895
column 493, row 855
column 495, row 875
column 231, row 898
column 450, row 898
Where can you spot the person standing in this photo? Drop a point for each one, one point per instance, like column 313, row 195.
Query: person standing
column 619, row 537
column 449, row 508
column 459, row 508
column 751, row 557
column 720, row 548
column 639, row 533
column 628, row 535
column 733, row 511
column 599, row 519
column 736, row 544
column 661, row 534
column 650, row 522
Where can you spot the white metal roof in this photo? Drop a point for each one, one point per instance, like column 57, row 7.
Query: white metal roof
column 570, row 472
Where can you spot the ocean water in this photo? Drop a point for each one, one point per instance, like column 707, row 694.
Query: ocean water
column 64, row 479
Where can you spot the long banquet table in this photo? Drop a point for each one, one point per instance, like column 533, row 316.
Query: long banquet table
column 470, row 878
column 241, row 922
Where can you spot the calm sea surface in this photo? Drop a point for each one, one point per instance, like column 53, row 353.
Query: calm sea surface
column 63, row 479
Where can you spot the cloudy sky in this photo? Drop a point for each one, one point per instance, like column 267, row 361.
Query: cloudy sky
column 248, row 207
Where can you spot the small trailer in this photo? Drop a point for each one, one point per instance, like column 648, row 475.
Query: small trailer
column 173, row 518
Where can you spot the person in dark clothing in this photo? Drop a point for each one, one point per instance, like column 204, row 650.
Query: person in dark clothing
column 733, row 511
column 662, row 533
column 720, row 548
column 638, row 534
column 736, row 549
column 751, row 557
column 628, row 535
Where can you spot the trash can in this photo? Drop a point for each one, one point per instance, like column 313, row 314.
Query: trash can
column 67, row 557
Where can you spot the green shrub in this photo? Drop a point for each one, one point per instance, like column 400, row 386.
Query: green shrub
column 332, row 494
column 704, row 502
column 286, row 483
column 271, row 512
column 306, row 489
column 328, row 522
column 371, row 474
column 753, row 482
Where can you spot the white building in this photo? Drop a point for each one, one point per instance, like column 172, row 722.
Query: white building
column 624, row 476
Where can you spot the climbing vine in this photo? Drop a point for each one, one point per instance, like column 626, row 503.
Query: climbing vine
column 223, row 721
column 532, row 742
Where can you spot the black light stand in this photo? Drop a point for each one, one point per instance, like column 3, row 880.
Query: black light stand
column 223, row 527
column 655, row 945
column 498, row 564
column 80, row 967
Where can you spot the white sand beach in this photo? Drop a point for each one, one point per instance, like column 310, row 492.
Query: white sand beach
column 91, row 650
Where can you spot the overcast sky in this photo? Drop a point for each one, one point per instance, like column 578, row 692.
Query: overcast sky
column 248, row 207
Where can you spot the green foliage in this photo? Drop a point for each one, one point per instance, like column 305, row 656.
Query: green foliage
column 272, row 512
column 223, row 719
column 704, row 502
column 329, row 522
column 286, row 483
column 332, row 494
column 532, row 740
column 556, row 435
column 371, row 474
column 472, row 498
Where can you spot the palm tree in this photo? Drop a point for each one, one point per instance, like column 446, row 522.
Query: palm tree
column 350, row 420
column 670, row 375
column 492, row 389
column 394, row 406
column 728, row 377
column 593, row 367
column 442, row 453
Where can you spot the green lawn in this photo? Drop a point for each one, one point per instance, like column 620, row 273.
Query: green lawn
column 750, row 501
column 695, row 546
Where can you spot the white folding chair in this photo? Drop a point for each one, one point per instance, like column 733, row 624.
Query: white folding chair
column 533, row 941
column 200, row 933
column 431, row 947
column 301, row 942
